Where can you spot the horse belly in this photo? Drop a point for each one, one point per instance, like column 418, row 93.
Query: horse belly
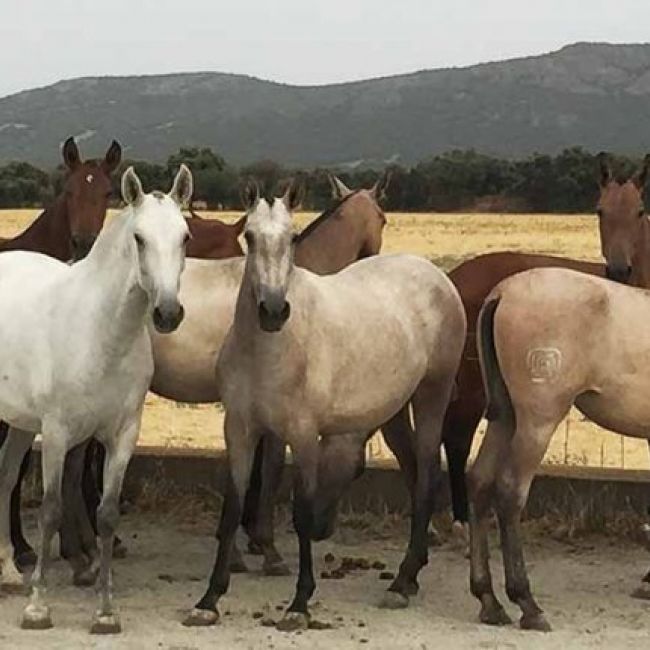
column 624, row 412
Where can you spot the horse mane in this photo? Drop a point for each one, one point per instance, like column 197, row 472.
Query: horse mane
column 324, row 216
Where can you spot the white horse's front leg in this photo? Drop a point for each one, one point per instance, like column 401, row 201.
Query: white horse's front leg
column 11, row 454
column 118, row 454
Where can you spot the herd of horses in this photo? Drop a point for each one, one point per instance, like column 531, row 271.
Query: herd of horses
column 285, row 336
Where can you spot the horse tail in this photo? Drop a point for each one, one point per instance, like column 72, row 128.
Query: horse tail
column 499, row 404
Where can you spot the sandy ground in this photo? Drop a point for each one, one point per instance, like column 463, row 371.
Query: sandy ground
column 583, row 588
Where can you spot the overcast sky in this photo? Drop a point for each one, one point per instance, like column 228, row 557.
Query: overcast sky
column 293, row 41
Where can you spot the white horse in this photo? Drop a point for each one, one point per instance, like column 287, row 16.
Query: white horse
column 311, row 356
column 76, row 362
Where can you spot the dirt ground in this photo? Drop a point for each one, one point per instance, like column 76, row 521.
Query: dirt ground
column 583, row 587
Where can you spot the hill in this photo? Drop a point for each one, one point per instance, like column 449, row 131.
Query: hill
column 589, row 94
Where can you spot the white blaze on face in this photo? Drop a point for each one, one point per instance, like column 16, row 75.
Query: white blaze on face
column 90, row 178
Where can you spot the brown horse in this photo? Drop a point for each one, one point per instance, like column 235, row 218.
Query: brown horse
column 213, row 239
column 65, row 230
column 351, row 229
column 626, row 249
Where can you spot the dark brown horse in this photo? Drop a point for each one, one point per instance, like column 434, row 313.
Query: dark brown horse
column 65, row 230
column 626, row 250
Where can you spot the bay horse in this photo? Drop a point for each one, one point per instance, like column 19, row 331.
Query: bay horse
column 349, row 230
column 300, row 360
column 83, row 367
column 548, row 339
column 626, row 250
column 65, row 230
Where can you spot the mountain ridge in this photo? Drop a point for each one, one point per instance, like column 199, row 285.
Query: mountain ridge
column 595, row 95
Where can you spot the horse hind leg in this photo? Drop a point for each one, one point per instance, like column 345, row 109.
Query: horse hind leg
column 24, row 554
column 481, row 484
column 37, row 614
column 260, row 526
column 78, row 541
column 12, row 454
column 527, row 449
column 429, row 404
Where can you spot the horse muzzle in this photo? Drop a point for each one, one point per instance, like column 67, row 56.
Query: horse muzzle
column 167, row 318
column 273, row 313
column 81, row 246
column 618, row 273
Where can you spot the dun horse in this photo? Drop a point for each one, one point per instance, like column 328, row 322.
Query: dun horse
column 301, row 361
column 185, row 361
column 83, row 367
column 548, row 339
column 66, row 230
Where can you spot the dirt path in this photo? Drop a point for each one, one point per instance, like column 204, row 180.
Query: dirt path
column 584, row 590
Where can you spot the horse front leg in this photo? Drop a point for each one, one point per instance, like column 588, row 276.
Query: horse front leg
column 119, row 450
column 12, row 455
column 24, row 554
column 240, row 444
column 305, row 455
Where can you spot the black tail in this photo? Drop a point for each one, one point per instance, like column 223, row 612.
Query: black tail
column 499, row 405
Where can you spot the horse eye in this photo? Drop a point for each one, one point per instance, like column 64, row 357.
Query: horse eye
column 138, row 240
column 187, row 238
column 641, row 212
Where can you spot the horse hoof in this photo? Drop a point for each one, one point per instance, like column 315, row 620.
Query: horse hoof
column 394, row 600
column 411, row 588
column 119, row 551
column 36, row 617
column 254, row 548
column 238, row 566
column 25, row 560
column 85, row 578
column 201, row 618
column 494, row 616
column 642, row 592
column 535, row 622
column 276, row 569
column 106, row 624
column 293, row 621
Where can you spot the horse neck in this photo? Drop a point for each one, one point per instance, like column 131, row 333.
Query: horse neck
column 110, row 270
column 49, row 233
column 641, row 262
column 332, row 245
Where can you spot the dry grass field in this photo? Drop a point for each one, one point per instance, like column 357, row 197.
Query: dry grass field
column 446, row 239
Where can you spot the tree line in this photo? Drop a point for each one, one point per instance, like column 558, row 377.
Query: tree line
column 452, row 181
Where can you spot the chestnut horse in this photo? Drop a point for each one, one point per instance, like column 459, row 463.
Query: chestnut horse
column 213, row 239
column 627, row 253
column 65, row 230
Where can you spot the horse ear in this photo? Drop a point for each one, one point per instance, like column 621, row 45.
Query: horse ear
column 604, row 168
column 113, row 157
column 250, row 194
column 641, row 177
column 71, row 156
column 131, row 188
column 294, row 195
column 183, row 186
column 238, row 226
column 378, row 190
column 339, row 189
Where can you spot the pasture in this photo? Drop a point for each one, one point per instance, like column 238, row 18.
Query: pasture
column 446, row 239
